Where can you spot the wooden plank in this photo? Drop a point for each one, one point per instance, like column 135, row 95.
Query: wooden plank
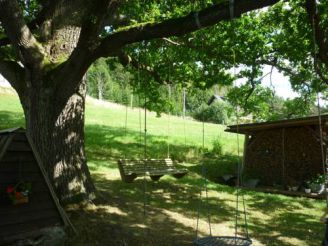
column 27, row 217
column 28, row 207
column 14, row 177
column 64, row 216
column 3, row 140
column 20, row 137
column 131, row 168
column 5, row 146
column 21, row 174
column 16, row 146
column 151, row 167
column 13, row 157
column 10, row 230
column 25, row 166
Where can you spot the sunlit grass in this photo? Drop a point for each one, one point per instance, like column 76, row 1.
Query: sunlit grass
column 168, row 130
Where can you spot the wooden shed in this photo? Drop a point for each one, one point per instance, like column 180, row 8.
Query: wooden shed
column 21, row 165
column 286, row 152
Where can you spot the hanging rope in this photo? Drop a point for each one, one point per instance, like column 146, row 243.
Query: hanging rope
column 139, row 106
column 143, row 144
column 203, row 185
column 222, row 240
column 126, row 126
column 184, row 116
column 324, row 164
column 169, row 125
column 240, row 169
column 145, row 156
column 240, row 164
column 219, row 240
column 205, row 179
column 145, row 127
column 169, row 114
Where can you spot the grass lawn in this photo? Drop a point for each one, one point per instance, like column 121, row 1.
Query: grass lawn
column 117, row 215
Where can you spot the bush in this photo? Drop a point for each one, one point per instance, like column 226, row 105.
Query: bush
column 217, row 148
column 216, row 113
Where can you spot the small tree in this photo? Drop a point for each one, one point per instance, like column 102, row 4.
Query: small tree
column 98, row 79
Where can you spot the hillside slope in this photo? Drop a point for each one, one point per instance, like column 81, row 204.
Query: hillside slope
column 165, row 133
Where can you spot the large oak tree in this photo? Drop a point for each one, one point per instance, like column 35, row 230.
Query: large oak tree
column 47, row 46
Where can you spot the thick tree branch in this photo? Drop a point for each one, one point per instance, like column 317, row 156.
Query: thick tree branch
column 47, row 12
column 321, row 75
column 178, row 26
column 287, row 70
column 70, row 74
column 14, row 73
column 320, row 39
column 275, row 64
column 48, row 8
column 250, row 91
column 253, row 83
column 19, row 34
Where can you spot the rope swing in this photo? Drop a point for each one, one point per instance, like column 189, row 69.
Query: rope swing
column 130, row 169
column 235, row 240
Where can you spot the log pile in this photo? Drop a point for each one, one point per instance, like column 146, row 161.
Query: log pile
column 286, row 156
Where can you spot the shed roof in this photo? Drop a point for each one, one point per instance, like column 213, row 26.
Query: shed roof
column 249, row 128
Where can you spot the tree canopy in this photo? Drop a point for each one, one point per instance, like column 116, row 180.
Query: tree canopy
column 286, row 36
column 281, row 36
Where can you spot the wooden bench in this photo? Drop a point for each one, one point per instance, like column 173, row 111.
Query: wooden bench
column 155, row 168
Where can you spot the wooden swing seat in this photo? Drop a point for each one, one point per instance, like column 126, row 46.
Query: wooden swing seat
column 130, row 169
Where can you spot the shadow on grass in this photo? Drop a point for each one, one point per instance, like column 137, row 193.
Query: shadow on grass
column 216, row 167
column 272, row 202
column 297, row 228
column 108, row 143
column 117, row 217
column 105, row 142
column 182, row 196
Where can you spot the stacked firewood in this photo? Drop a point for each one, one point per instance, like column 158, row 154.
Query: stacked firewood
column 286, row 156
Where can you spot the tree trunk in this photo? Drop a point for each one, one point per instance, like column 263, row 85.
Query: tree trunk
column 56, row 123
column 60, row 141
column 100, row 88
